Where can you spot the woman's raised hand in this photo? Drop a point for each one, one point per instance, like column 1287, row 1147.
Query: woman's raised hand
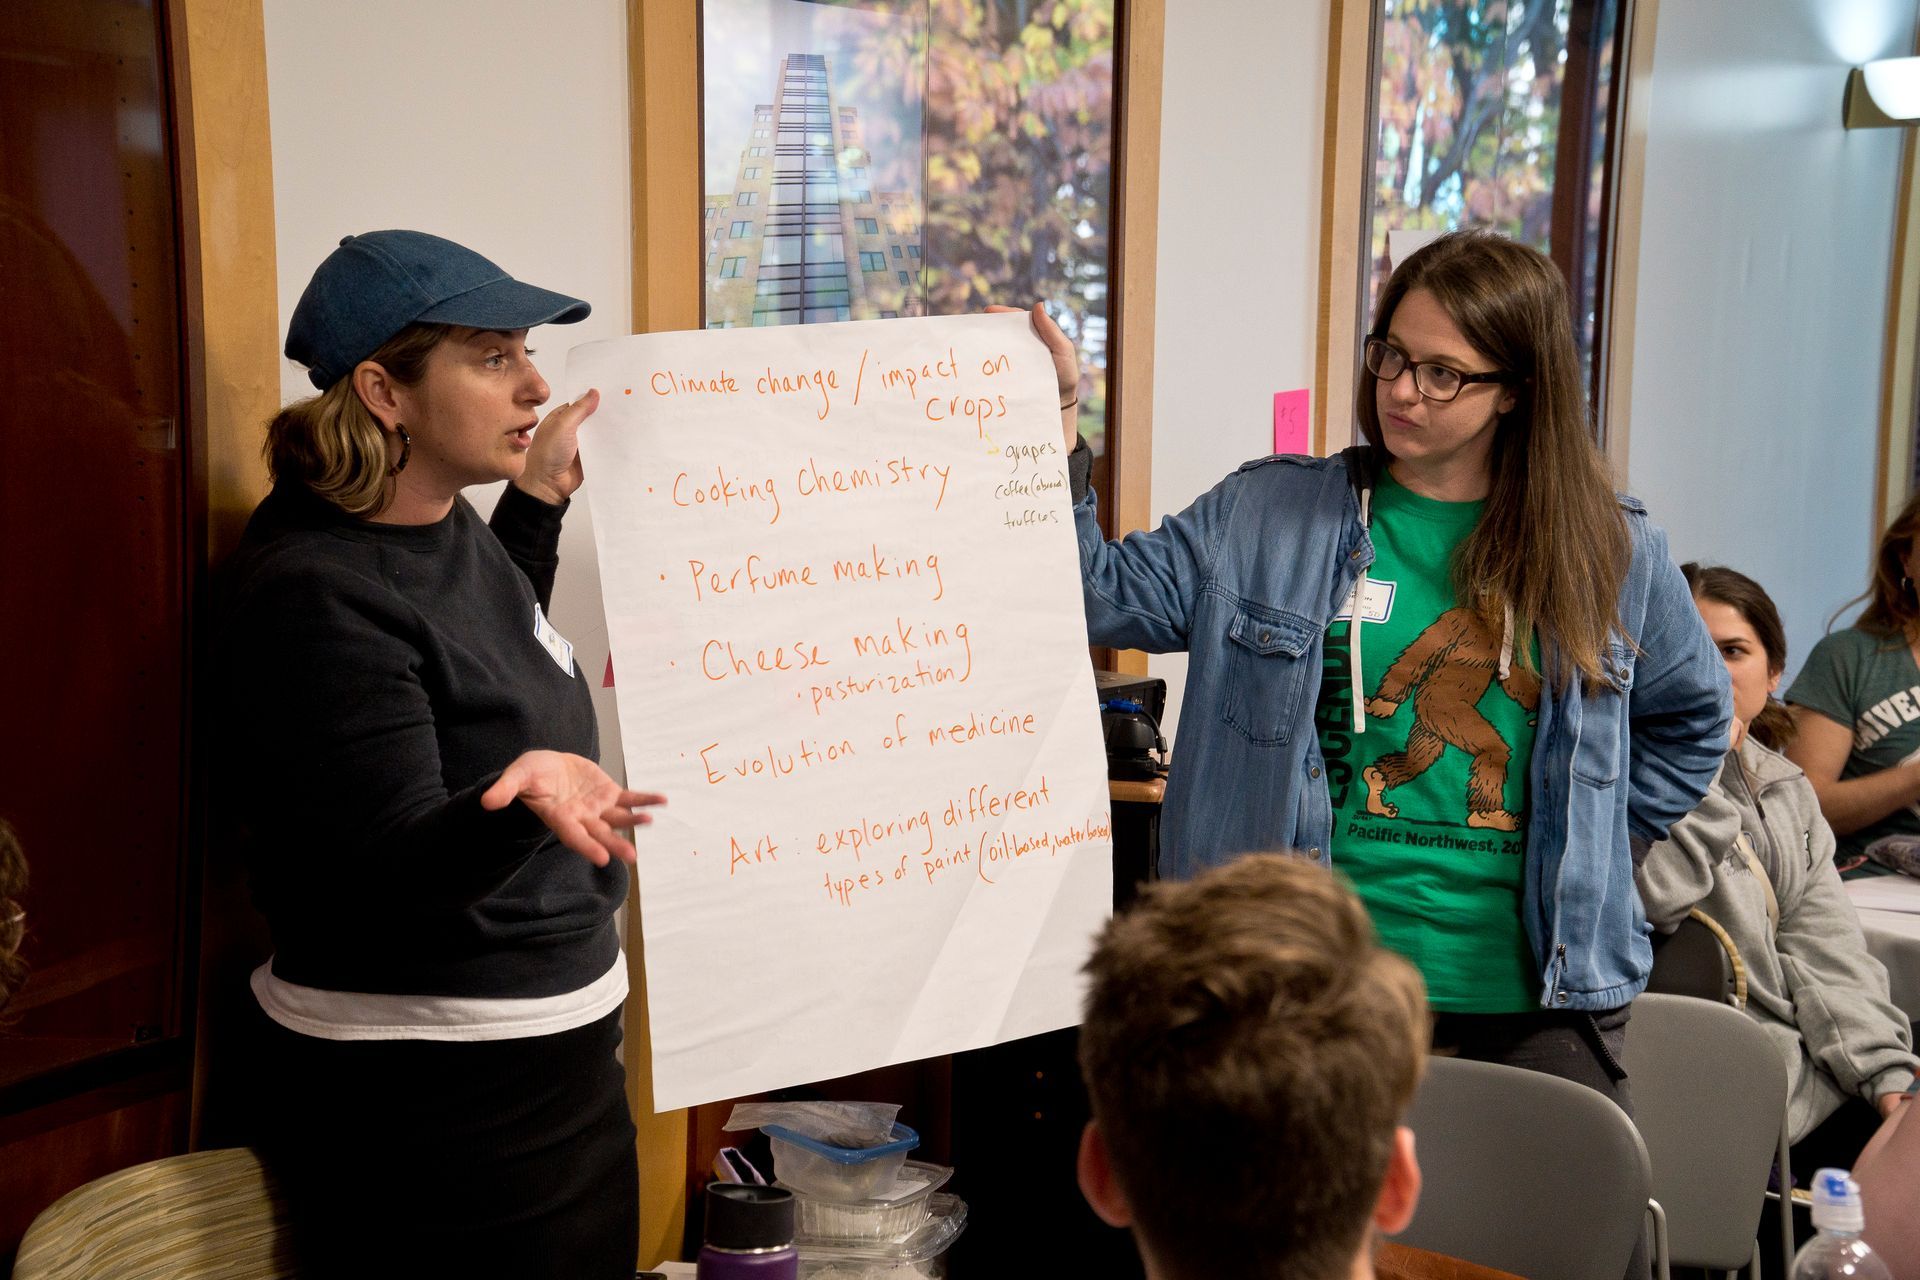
column 576, row 799
column 553, row 468
column 1066, row 369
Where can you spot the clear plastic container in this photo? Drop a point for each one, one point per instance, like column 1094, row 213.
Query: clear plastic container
column 828, row 1172
column 921, row 1256
column 893, row 1214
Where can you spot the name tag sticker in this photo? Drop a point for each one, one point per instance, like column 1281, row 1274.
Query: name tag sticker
column 1376, row 603
column 558, row 647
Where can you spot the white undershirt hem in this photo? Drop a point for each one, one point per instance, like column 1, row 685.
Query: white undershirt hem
column 360, row 1015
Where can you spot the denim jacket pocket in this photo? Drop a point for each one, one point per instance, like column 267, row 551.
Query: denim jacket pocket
column 1266, row 673
column 1597, row 754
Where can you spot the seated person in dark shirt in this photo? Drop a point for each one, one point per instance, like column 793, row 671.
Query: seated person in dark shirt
column 1251, row 1051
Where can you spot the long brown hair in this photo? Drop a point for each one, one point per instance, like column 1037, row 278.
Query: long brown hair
column 1721, row 585
column 332, row 443
column 1553, row 542
column 1893, row 610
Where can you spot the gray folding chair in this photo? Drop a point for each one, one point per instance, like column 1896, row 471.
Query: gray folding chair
column 1526, row 1173
column 1710, row 1098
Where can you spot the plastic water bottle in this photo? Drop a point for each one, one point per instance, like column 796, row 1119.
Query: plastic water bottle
column 1837, row 1252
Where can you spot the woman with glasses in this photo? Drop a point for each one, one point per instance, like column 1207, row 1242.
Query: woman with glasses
column 1528, row 695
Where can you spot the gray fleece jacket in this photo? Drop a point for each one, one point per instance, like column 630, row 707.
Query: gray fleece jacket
column 1811, row 985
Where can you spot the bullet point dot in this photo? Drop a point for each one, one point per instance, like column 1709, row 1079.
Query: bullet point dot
column 663, row 577
column 629, row 390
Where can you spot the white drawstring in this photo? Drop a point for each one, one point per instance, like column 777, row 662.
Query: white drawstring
column 1506, row 644
column 1353, row 626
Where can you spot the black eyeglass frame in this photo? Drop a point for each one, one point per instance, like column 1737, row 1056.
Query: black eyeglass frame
column 1407, row 362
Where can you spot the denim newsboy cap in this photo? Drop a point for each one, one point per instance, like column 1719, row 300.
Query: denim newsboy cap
column 376, row 284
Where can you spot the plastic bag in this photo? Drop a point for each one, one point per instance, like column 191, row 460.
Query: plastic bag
column 1902, row 853
column 853, row 1125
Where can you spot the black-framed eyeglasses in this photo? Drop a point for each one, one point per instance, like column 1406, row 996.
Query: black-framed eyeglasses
column 1437, row 382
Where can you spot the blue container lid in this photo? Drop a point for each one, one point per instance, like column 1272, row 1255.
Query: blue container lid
column 904, row 1139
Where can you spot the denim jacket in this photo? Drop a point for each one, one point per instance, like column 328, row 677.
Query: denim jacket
column 1247, row 580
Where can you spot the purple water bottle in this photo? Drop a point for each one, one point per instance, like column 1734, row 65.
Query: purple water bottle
column 749, row 1234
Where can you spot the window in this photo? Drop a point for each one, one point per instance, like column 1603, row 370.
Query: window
column 1497, row 116
column 759, row 133
column 751, row 172
column 857, row 174
column 868, row 226
column 861, row 197
column 896, row 251
column 732, row 267
column 741, row 230
column 873, row 262
column 746, row 197
column 905, row 278
column 756, row 151
column 913, row 251
column 889, row 315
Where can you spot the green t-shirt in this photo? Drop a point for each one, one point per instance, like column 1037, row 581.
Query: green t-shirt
column 1429, row 804
column 1872, row 686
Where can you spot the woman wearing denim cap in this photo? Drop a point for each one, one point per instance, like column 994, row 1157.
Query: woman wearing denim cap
column 1530, row 698
column 435, row 848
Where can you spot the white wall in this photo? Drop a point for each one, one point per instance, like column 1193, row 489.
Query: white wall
column 1766, row 251
column 1242, row 120
column 500, row 125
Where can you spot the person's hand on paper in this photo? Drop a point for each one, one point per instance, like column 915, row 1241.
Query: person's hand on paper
column 576, row 799
column 1066, row 369
column 553, row 468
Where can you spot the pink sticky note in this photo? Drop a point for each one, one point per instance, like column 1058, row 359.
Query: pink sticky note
column 1292, row 422
column 607, row 682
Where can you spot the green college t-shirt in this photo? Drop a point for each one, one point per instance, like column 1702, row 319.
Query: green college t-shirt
column 1870, row 685
column 1429, row 804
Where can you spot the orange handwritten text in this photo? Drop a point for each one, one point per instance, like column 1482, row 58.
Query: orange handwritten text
column 763, row 850
column 666, row 382
column 875, row 567
column 998, row 724
column 980, row 410
column 910, row 377
column 718, row 661
column 883, row 474
column 822, row 382
column 756, row 575
column 770, row 762
column 867, row 832
column 725, row 491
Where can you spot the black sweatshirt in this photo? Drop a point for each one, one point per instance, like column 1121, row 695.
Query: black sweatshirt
column 375, row 680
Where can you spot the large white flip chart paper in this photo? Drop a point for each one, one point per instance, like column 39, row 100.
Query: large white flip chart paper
column 844, row 607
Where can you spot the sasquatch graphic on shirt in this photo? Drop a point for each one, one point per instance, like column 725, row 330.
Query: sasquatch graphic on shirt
column 1446, row 671
column 1427, row 792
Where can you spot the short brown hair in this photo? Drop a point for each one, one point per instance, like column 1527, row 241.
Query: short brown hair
column 332, row 444
column 1250, row 1049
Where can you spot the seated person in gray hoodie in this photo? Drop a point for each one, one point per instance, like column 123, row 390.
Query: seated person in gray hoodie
column 1757, row 856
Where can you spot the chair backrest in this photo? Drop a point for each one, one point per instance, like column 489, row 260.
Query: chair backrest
column 1693, row 960
column 1710, row 1098
column 1526, row 1172
column 211, row 1215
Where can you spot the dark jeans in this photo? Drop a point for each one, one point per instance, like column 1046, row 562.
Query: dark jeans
column 1586, row 1048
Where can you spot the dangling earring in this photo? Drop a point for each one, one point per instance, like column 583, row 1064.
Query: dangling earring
column 406, row 449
